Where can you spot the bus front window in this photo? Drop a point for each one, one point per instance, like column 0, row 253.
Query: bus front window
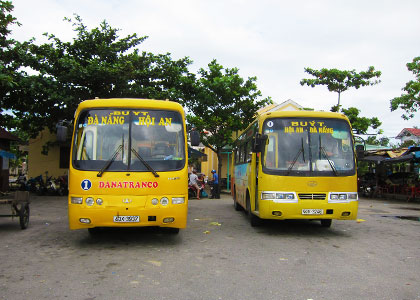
column 131, row 139
column 308, row 147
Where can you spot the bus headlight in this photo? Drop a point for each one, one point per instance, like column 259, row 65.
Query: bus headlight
column 164, row 201
column 76, row 200
column 268, row 195
column 334, row 196
column 289, row 196
column 99, row 201
column 278, row 196
column 178, row 200
column 89, row 201
column 155, row 201
column 343, row 197
column 352, row 196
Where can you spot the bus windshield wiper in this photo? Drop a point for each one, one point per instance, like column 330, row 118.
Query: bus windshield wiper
column 144, row 162
column 109, row 162
column 301, row 150
column 324, row 153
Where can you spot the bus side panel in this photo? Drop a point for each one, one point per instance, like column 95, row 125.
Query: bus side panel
column 241, row 183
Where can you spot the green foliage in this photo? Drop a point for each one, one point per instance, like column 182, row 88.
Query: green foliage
column 339, row 81
column 97, row 63
column 221, row 103
column 361, row 124
column 410, row 101
column 383, row 141
column 408, row 143
column 7, row 53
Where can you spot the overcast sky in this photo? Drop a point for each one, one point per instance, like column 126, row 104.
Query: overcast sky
column 272, row 40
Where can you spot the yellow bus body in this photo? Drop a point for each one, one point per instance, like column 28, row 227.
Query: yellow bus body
column 311, row 193
column 128, row 193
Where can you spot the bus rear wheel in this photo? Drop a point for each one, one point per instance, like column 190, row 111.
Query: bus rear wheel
column 236, row 205
column 326, row 223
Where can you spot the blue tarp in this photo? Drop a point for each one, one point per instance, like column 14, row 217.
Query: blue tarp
column 7, row 154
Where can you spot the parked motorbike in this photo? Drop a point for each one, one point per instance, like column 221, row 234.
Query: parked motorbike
column 34, row 185
column 51, row 186
column 62, row 182
column 192, row 191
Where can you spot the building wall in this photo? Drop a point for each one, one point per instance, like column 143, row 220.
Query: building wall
column 39, row 163
column 414, row 138
column 212, row 164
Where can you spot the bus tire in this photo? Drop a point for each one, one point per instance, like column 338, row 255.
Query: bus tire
column 326, row 223
column 170, row 230
column 236, row 205
column 24, row 216
column 95, row 231
column 253, row 219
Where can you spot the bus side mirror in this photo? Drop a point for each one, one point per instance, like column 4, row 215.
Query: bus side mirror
column 61, row 133
column 360, row 151
column 194, row 138
column 259, row 142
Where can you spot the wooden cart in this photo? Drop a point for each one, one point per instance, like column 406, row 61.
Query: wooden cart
column 19, row 202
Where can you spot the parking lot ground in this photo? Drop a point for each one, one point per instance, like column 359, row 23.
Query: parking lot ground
column 218, row 256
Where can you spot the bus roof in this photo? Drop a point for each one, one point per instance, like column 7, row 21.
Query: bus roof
column 302, row 113
column 130, row 103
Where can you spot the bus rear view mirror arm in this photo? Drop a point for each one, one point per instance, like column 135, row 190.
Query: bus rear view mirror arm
column 259, row 142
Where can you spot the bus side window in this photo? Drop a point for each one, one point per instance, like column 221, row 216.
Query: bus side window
column 249, row 151
column 85, row 151
column 270, row 157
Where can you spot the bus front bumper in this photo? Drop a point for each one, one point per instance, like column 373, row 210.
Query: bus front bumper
column 314, row 209
column 83, row 217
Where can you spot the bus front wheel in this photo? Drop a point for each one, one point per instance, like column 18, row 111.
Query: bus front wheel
column 170, row 230
column 326, row 223
column 253, row 219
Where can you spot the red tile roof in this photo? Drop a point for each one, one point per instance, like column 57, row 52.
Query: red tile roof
column 413, row 131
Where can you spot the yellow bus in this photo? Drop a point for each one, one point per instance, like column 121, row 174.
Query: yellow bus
column 296, row 165
column 128, row 165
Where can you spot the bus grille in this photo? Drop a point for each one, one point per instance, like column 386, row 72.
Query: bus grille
column 312, row 196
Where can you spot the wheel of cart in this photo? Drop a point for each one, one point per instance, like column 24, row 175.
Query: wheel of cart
column 20, row 207
column 21, row 203
column 24, row 216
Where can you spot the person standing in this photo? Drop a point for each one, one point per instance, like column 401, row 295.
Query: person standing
column 215, row 191
column 194, row 182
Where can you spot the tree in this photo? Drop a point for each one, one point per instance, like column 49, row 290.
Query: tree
column 383, row 141
column 221, row 104
column 410, row 101
column 6, row 45
column 340, row 81
column 361, row 124
column 97, row 63
column 10, row 62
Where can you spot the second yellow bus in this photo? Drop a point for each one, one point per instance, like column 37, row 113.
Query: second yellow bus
column 296, row 165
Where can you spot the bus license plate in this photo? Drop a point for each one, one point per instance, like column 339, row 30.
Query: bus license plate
column 126, row 219
column 312, row 211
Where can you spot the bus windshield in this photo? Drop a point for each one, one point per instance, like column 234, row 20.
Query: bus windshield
column 308, row 147
column 109, row 140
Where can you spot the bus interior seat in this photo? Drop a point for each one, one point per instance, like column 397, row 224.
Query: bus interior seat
column 145, row 152
column 160, row 149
